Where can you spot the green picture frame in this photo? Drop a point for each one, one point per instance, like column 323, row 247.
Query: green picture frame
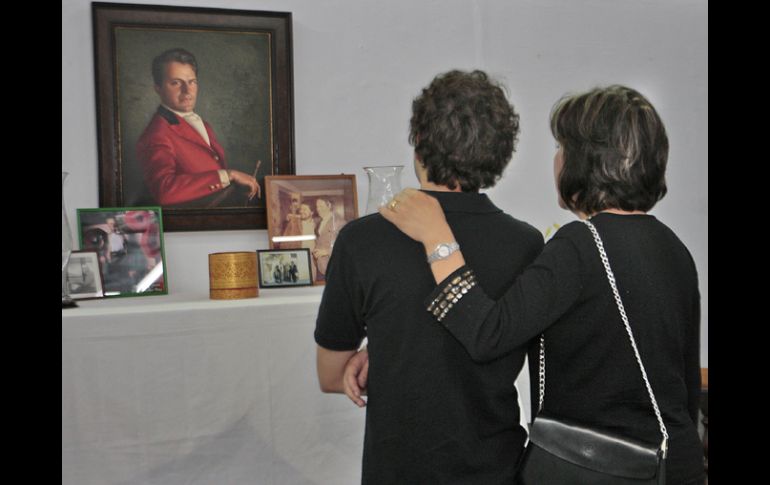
column 130, row 248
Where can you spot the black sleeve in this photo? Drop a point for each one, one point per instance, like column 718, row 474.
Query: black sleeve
column 548, row 287
column 340, row 325
column 692, row 361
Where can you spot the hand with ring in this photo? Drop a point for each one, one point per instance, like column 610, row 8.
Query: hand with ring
column 419, row 216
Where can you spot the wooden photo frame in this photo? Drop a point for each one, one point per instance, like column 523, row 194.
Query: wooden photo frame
column 84, row 275
column 234, row 69
column 284, row 267
column 129, row 244
column 308, row 211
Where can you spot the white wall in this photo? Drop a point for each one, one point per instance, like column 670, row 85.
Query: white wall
column 359, row 63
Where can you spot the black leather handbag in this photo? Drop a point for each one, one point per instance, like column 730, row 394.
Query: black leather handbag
column 564, row 452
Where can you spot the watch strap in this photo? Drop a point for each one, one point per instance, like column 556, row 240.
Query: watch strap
column 446, row 248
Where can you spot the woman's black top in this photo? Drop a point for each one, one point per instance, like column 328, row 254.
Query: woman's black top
column 591, row 373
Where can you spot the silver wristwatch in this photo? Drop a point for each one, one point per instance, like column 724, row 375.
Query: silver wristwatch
column 443, row 251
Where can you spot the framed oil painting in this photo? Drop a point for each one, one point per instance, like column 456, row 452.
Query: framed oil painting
column 194, row 109
column 129, row 245
column 308, row 211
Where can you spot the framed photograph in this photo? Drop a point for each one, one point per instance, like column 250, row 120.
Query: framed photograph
column 128, row 242
column 84, row 275
column 284, row 267
column 308, row 211
column 194, row 109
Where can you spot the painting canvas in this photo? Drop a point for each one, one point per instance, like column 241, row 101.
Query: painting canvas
column 194, row 110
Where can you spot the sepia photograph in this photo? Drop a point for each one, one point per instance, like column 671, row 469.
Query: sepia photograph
column 84, row 275
column 308, row 211
column 284, row 267
column 129, row 246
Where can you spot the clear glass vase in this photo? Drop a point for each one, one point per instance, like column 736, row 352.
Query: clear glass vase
column 66, row 250
column 384, row 183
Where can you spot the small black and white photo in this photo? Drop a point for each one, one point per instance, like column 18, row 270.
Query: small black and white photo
column 284, row 267
column 84, row 275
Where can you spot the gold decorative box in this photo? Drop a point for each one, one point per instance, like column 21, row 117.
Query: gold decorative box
column 233, row 275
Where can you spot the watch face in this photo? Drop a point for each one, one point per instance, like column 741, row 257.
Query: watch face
column 443, row 251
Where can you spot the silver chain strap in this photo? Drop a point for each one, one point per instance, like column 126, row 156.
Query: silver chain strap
column 622, row 310
column 542, row 372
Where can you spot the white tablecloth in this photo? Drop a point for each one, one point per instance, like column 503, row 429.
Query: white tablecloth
column 180, row 389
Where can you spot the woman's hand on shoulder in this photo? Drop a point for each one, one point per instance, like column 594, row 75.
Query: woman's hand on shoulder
column 418, row 215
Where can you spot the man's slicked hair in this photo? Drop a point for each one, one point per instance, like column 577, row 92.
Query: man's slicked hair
column 172, row 55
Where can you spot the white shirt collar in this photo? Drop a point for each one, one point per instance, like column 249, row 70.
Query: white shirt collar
column 181, row 113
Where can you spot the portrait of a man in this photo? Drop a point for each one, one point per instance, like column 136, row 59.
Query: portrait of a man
column 194, row 110
column 182, row 162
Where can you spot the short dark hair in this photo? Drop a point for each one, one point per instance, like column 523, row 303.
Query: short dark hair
column 172, row 55
column 615, row 150
column 463, row 130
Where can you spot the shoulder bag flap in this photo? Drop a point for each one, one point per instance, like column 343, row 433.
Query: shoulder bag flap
column 595, row 450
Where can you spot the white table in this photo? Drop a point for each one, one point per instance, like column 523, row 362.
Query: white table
column 180, row 389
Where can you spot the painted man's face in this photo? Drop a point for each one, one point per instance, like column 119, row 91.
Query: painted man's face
column 179, row 90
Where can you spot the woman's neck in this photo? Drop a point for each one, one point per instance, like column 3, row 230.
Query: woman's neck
column 620, row 212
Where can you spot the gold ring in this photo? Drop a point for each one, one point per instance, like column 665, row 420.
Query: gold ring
column 393, row 204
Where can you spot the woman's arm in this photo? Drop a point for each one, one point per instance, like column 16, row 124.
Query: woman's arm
column 692, row 361
column 420, row 216
column 487, row 328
